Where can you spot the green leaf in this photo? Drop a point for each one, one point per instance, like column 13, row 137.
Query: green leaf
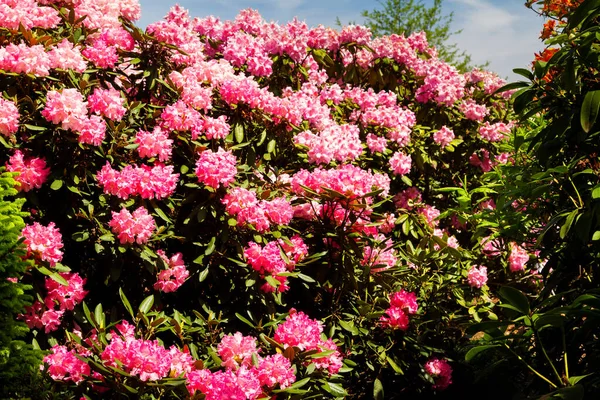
column 239, row 133
column 99, row 315
column 88, row 315
column 523, row 72
column 334, row 389
column 377, row 390
column 574, row 379
column 515, row 298
column 580, row 14
column 271, row 146
column 479, row 349
column 35, row 128
column 57, row 184
column 211, row 246
column 245, row 320
column 568, row 222
column 202, row 275
column 394, row 366
column 126, row 303
column 589, row 110
column 161, row 214
column 146, row 304
column 596, row 192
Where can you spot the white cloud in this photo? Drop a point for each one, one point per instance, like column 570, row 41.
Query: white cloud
column 504, row 34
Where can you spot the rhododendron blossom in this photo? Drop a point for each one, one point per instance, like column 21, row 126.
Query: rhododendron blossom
column 158, row 181
column 216, row 168
column 136, row 227
column 440, row 371
column 66, row 107
column 43, row 242
column 443, row 136
column 108, row 103
column 63, row 365
column 154, row 144
column 32, row 171
column 9, row 117
column 477, row 276
column 170, row 279
column 237, row 350
column 400, row 163
column 518, row 258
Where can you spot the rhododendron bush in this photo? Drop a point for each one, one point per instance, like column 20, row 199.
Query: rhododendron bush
column 242, row 209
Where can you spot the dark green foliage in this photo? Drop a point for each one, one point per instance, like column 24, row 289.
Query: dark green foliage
column 17, row 359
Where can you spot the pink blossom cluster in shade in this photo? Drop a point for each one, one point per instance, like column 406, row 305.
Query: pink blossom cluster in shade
column 477, row 276
column 65, row 297
column 408, row 198
column 32, row 171
column 402, row 304
column 299, row 330
column 216, row 168
column 430, row 214
column 170, row 279
column 43, row 242
column 148, row 182
column 154, row 144
column 268, row 260
column 440, row 371
column 472, row 110
column 381, row 256
column 64, row 365
column 9, row 117
column 450, row 240
column 443, row 136
column 518, row 257
column 484, row 162
column 496, row 132
column 347, row 179
column 248, row 210
column 130, row 228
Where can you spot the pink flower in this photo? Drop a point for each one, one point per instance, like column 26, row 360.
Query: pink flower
column 332, row 362
column 395, row 318
column 408, row 198
column 477, row 276
column 406, row 301
column 154, row 144
column 376, row 143
column 9, row 117
column 51, row 320
column 518, row 258
column 101, row 53
column 440, row 371
column 92, row 130
column 237, row 350
column 63, row 365
column 32, row 172
column 65, row 296
column 215, row 128
column 214, row 169
column 300, row 331
column 215, row 386
column 472, row 110
column 276, row 369
column 495, row 132
column 107, row 103
column 158, row 181
column 44, row 242
column 133, row 228
column 66, row 108
column 170, row 279
column 400, row 163
column 66, row 56
column 443, row 136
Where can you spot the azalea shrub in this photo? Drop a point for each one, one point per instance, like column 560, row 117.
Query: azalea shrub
column 242, row 209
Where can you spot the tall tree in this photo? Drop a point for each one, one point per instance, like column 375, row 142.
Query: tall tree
column 409, row 16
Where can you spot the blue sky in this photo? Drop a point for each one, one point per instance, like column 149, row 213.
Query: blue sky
column 503, row 32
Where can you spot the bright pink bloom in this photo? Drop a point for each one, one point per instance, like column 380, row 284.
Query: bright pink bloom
column 406, row 301
column 383, row 255
column 66, row 56
column 440, row 371
column 32, row 172
column 300, row 331
column 66, row 108
column 67, row 297
column 136, row 227
column 92, row 130
column 237, row 350
column 477, row 276
column 148, row 182
column 170, row 279
column 395, row 318
column 376, row 144
column 43, row 242
column 154, row 144
column 443, row 136
column 408, row 198
column 400, row 163
column 101, row 53
column 51, row 320
column 332, row 362
column 276, row 369
column 215, row 386
column 107, row 103
column 215, row 128
column 214, row 169
column 63, row 365
column 518, row 258
column 9, row 117
column 495, row 132
column 472, row 110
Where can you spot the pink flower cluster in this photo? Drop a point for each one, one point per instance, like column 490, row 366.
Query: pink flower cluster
column 495, row 132
column 107, row 103
column 335, row 142
column 66, row 297
column 518, row 258
column 268, row 260
column 63, row 365
column 472, row 110
column 408, row 198
column 216, row 168
column 9, row 117
column 477, row 276
column 154, row 144
column 402, row 304
column 440, row 371
column 170, row 279
column 32, row 171
column 302, row 332
column 245, row 206
column 136, row 227
column 148, row 182
column 347, row 179
column 43, row 242
column 146, row 359
column 382, row 256
column 443, row 136
column 400, row 163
